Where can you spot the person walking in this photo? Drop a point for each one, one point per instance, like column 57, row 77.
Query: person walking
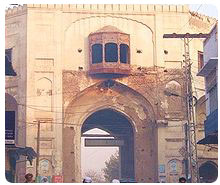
column 115, row 181
column 29, row 178
column 182, row 180
column 87, row 180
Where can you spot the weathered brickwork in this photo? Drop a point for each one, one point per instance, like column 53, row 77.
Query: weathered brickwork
column 52, row 57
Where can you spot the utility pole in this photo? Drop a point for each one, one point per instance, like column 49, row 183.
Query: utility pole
column 192, row 147
column 38, row 146
column 191, row 159
column 186, row 156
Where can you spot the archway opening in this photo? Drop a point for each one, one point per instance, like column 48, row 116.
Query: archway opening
column 91, row 152
column 118, row 132
column 208, row 172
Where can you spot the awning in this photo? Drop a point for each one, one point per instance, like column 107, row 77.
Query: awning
column 14, row 154
column 210, row 139
column 210, row 65
column 211, row 123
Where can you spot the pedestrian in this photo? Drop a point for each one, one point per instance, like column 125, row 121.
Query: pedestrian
column 87, row 180
column 29, row 178
column 115, row 181
column 182, row 180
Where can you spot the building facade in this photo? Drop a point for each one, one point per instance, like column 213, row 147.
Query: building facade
column 209, row 70
column 102, row 66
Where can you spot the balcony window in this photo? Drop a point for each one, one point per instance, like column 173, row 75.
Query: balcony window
column 213, row 99
column 124, row 53
column 111, row 52
column 97, row 53
column 9, row 71
column 200, row 60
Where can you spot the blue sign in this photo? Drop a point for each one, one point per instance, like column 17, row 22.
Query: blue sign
column 161, row 168
column 9, row 127
column 44, row 179
column 173, row 166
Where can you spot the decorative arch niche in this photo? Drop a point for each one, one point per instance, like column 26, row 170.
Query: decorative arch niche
column 174, row 96
column 44, row 93
column 174, row 170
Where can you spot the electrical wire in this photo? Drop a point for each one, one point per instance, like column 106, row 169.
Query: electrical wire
column 188, row 20
column 30, row 124
column 67, row 92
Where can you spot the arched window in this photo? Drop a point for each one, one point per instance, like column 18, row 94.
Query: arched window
column 111, row 52
column 174, row 97
column 124, row 53
column 208, row 172
column 174, row 170
column 9, row 71
column 97, row 53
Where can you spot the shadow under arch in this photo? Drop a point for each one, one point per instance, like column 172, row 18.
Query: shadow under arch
column 118, row 126
column 112, row 108
column 208, row 171
column 129, row 104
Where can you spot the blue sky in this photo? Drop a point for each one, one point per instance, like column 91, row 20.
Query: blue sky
column 206, row 9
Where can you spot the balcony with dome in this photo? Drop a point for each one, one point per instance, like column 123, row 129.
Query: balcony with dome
column 109, row 50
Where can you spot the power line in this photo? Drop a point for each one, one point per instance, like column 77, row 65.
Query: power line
column 67, row 92
column 205, row 28
column 188, row 20
column 54, row 111
column 55, row 107
column 74, row 124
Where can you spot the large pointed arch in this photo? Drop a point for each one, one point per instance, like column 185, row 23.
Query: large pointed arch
column 116, row 96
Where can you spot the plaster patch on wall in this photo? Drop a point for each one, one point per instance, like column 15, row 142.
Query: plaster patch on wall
column 56, row 162
column 115, row 101
column 124, row 81
column 140, row 112
column 164, row 104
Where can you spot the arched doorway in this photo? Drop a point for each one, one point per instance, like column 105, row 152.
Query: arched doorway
column 118, row 126
column 127, row 105
column 208, row 172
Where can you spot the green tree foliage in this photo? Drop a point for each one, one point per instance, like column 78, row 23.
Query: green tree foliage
column 111, row 171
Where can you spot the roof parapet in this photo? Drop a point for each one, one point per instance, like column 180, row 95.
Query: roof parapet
column 145, row 8
column 202, row 17
column 15, row 10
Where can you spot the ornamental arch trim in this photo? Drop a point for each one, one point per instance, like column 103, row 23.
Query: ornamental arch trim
column 118, row 88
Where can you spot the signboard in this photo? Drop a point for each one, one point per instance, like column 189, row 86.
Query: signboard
column 103, row 142
column 44, row 166
column 9, row 127
column 173, row 166
column 161, row 168
column 43, row 179
column 57, row 179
